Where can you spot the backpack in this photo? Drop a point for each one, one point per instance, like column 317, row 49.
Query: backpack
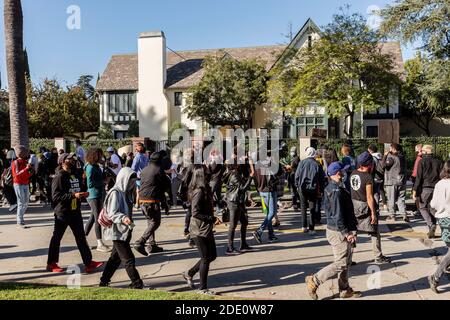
column 8, row 177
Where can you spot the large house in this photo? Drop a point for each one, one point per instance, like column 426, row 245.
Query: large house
column 151, row 87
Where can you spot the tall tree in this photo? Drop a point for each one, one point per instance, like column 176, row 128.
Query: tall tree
column 344, row 71
column 15, row 63
column 229, row 91
column 425, row 20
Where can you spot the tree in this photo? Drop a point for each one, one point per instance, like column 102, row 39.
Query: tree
column 133, row 129
column 421, row 100
column 344, row 71
column 15, row 63
column 105, row 132
column 229, row 91
column 84, row 82
column 424, row 20
column 55, row 111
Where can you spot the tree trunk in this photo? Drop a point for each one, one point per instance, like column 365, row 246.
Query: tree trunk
column 15, row 64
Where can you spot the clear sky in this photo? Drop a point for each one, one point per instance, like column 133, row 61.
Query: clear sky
column 112, row 26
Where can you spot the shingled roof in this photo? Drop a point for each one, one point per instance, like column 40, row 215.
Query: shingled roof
column 184, row 68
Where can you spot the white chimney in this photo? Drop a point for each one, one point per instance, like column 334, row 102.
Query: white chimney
column 152, row 104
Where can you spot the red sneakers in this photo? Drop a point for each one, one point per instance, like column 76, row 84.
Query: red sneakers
column 93, row 266
column 54, row 268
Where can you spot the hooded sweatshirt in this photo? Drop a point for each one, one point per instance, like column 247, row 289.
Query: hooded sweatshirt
column 441, row 199
column 118, row 206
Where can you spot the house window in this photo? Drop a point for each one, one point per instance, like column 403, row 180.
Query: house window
column 372, row 131
column 309, row 42
column 120, row 134
column 306, row 125
column 178, row 99
column 122, row 103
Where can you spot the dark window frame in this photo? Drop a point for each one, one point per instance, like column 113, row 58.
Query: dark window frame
column 178, row 99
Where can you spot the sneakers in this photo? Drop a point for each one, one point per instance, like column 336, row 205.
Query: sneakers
column 103, row 248
column 245, row 248
column 12, row 208
column 432, row 232
column 156, row 249
column 103, row 285
column 257, row 237
column 349, row 293
column 191, row 243
column 273, row 239
column 206, row 292
column 312, row 288
column 383, row 260
column 276, row 224
column 140, row 247
column 433, row 284
column 54, row 268
column 391, row 217
column 94, row 265
column 22, row 226
column 232, row 252
column 189, row 280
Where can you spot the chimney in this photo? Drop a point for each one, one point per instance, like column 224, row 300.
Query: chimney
column 152, row 103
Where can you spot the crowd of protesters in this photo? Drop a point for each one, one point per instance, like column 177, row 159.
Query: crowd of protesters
column 351, row 192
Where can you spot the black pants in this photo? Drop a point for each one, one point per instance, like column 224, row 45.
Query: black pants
column 318, row 211
column 152, row 213
column 208, row 253
column 96, row 207
column 33, row 181
column 308, row 199
column 122, row 253
column 75, row 222
column 10, row 194
column 237, row 214
column 187, row 219
column 216, row 188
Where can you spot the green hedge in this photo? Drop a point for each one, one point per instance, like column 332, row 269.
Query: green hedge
column 35, row 144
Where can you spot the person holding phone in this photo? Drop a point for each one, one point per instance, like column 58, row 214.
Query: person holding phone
column 201, row 228
column 66, row 196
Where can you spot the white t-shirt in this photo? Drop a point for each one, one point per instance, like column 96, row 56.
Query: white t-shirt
column 116, row 160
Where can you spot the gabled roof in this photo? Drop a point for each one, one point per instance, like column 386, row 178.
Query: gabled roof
column 184, row 68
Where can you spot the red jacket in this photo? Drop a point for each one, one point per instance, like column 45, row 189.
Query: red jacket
column 416, row 166
column 20, row 173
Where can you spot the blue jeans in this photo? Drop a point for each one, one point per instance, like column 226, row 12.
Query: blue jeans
column 270, row 202
column 23, row 199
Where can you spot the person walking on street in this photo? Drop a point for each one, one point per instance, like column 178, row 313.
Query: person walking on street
column 215, row 170
column 364, row 204
column 309, row 180
column 21, row 173
column 341, row 234
column 428, row 175
column 378, row 177
column 291, row 170
column 119, row 209
column 95, row 187
column 151, row 196
column 201, row 229
column 8, row 181
column 114, row 161
column 267, row 181
column 237, row 187
column 414, row 173
column 394, row 164
column 140, row 162
column 79, row 151
column 67, row 195
column 441, row 203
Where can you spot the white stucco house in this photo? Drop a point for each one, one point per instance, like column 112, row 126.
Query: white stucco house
column 151, row 87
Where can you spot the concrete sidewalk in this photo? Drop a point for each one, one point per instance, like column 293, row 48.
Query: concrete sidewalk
column 272, row 271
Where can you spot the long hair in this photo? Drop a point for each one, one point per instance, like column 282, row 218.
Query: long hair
column 198, row 180
column 93, row 156
column 445, row 174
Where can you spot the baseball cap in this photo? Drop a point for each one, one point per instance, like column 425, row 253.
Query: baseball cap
column 66, row 156
column 365, row 159
column 334, row 168
column 110, row 149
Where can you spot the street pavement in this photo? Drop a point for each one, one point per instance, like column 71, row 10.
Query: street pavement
column 270, row 272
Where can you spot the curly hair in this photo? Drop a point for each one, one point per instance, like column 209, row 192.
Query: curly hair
column 94, row 155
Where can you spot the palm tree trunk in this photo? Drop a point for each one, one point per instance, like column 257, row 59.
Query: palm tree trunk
column 13, row 18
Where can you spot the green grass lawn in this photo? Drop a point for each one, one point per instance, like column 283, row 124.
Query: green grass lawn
column 14, row 291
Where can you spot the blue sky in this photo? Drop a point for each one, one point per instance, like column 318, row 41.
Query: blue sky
column 112, row 26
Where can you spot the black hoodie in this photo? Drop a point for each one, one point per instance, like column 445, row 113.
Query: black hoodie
column 63, row 187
